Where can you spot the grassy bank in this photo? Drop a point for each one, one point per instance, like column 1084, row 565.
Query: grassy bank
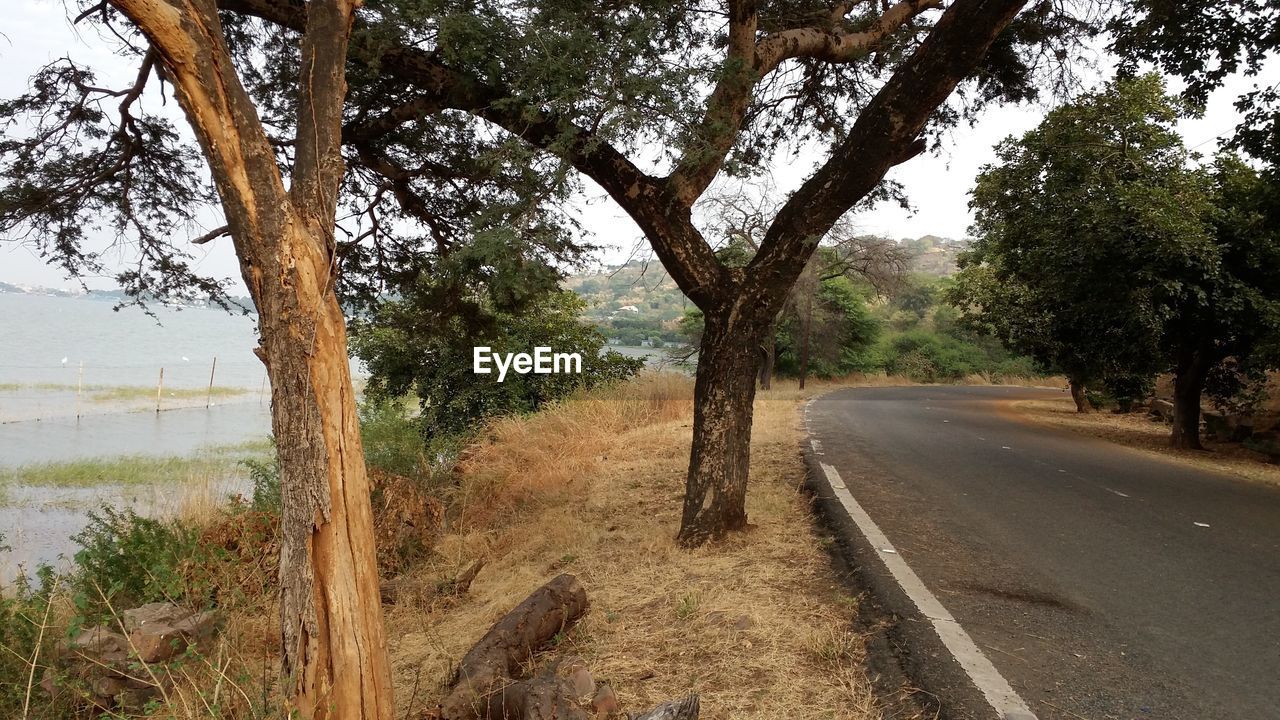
column 757, row 625
column 128, row 393
column 134, row 469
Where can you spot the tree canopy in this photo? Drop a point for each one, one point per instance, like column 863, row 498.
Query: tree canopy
column 1106, row 253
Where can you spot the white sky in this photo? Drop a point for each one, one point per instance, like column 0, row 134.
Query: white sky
column 35, row 33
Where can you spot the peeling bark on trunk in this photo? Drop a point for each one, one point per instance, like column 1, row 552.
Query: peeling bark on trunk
column 1078, row 395
column 1188, row 385
column 335, row 657
column 723, row 393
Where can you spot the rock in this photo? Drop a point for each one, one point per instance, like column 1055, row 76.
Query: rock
column 102, row 665
column 605, row 703
column 1162, row 409
column 744, row 622
column 583, row 684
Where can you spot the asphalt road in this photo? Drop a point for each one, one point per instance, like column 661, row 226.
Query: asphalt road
column 1083, row 570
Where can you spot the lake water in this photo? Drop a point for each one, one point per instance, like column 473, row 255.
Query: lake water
column 45, row 340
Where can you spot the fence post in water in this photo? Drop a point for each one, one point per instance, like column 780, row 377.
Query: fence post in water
column 209, row 398
column 159, row 389
column 79, row 388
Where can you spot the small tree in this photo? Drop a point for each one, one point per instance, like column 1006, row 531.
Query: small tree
column 411, row 345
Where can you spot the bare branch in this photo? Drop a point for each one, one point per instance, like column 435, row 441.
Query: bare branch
column 833, row 46
column 214, row 234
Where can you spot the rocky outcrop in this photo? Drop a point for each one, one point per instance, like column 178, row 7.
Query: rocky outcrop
column 120, row 665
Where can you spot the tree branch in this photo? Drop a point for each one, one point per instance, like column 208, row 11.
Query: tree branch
column 885, row 134
column 726, row 108
column 833, row 46
column 212, row 235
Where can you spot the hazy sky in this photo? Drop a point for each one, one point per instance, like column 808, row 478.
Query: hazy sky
column 35, row 33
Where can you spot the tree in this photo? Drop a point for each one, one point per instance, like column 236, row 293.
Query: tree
column 335, row 654
column 1089, row 228
column 1103, row 253
column 827, row 333
column 742, row 218
column 412, row 345
column 788, row 70
column 1205, row 42
column 590, row 88
column 1226, row 333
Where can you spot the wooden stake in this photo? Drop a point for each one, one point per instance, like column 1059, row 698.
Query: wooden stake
column 209, row 398
column 79, row 388
column 159, row 389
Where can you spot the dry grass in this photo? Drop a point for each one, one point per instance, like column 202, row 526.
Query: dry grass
column 593, row 487
column 1137, row 431
column 757, row 625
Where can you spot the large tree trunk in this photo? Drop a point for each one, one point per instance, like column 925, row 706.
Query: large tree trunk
column 1078, row 395
column 335, row 661
column 716, row 490
column 331, row 615
column 1188, row 385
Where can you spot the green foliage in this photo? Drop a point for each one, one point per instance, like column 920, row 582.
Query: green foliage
column 841, row 335
column 24, row 611
column 265, row 476
column 1125, row 390
column 126, row 560
column 916, row 296
column 1091, row 233
column 932, row 357
column 409, row 347
column 1204, row 42
column 392, row 442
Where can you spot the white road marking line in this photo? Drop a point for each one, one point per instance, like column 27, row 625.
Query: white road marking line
column 1200, row 524
column 1002, row 698
column 1117, row 492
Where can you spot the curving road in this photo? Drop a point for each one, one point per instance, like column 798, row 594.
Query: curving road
column 1101, row 582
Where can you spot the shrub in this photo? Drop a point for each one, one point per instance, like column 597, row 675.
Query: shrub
column 929, row 357
column 24, row 612
column 265, row 476
column 126, row 560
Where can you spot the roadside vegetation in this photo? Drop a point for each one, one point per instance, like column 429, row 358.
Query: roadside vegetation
column 583, row 486
column 1175, row 276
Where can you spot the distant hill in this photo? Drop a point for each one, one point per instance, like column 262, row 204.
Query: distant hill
column 107, row 295
column 633, row 304
column 933, row 255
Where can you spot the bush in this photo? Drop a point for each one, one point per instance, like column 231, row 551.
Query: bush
column 409, row 350
column 392, row 441
column 24, row 611
column 126, row 560
column 929, row 357
column 265, row 476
